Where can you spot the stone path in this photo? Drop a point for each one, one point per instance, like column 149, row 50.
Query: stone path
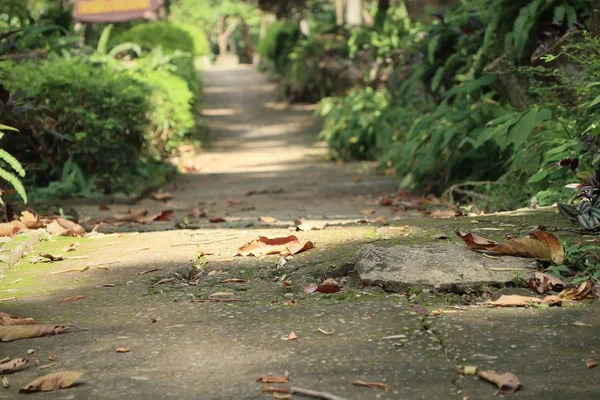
column 137, row 293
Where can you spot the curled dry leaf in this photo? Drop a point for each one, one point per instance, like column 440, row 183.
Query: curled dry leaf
column 329, row 286
column 543, row 282
column 273, row 379
column 64, row 227
column 591, row 363
column 16, row 332
column 214, row 220
column 291, row 336
column 70, row 299
column 7, row 319
column 507, row 382
column 10, row 229
column 584, row 290
column 122, row 350
column 288, row 245
column 372, row 385
column 31, row 220
column 310, row 288
column 13, row 365
column 233, row 280
column 540, row 244
column 524, row 301
column 325, row 332
column 51, row 357
column 55, row 381
column 267, row 220
column 164, row 216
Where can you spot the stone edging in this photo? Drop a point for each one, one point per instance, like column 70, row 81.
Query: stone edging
column 12, row 252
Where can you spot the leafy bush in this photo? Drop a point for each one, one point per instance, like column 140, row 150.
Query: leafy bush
column 99, row 127
column 201, row 43
column 279, row 42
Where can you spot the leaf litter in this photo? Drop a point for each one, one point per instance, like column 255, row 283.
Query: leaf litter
column 50, row 382
column 289, row 245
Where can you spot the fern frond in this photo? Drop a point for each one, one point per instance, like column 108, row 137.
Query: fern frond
column 15, row 182
column 13, row 162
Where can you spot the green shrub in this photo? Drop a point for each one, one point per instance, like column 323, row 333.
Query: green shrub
column 167, row 35
column 279, row 42
column 93, row 115
column 198, row 35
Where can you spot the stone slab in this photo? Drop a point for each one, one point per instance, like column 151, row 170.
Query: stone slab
column 443, row 266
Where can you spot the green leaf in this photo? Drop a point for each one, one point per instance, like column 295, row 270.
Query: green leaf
column 7, row 128
column 521, row 130
column 538, row 176
column 567, row 211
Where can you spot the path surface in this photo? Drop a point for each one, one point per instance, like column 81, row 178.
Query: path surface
column 137, row 291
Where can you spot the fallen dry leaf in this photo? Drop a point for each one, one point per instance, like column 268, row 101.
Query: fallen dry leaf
column 310, row 288
column 7, row 319
column 591, row 363
column 164, row 215
column 122, row 350
column 356, row 179
column 31, row 220
column 54, row 381
column 161, row 196
column 584, row 290
column 197, row 212
column 372, row 385
column 288, row 245
column 329, row 286
column 71, row 247
column 507, row 382
column 324, row 332
column 13, row 365
column 65, row 271
column 233, row 280
column 51, row 357
column 291, row 302
column 515, row 300
column 103, row 207
column 10, row 229
column 267, row 220
column 5, row 382
column 306, row 226
column 51, row 257
column 149, row 270
column 16, row 332
column 273, row 379
column 69, row 299
column 221, row 295
column 368, row 211
column 540, row 244
column 276, row 389
column 43, row 367
column 291, row 336
column 64, row 227
column 131, row 215
column 214, row 220
column 234, row 202
column 543, row 282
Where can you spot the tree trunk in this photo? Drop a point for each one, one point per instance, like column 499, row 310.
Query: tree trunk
column 339, row 12
column 382, row 8
column 221, row 39
column 248, row 50
column 354, row 12
column 595, row 23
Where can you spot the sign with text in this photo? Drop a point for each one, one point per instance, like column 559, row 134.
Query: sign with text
column 114, row 10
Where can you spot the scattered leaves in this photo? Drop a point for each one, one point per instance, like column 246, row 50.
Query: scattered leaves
column 16, row 332
column 273, row 379
column 64, row 227
column 540, row 244
column 372, row 385
column 507, row 382
column 584, row 290
column 55, row 381
column 31, row 220
column 288, row 245
column 10, row 229
column 7, row 319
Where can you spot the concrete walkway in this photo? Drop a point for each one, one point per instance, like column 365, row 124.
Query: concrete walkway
column 137, row 291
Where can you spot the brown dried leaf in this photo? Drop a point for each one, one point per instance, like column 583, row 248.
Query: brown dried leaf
column 164, row 215
column 372, row 385
column 584, row 290
column 267, row 220
column 233, row 280
column 13, row 365
column 524, row 301
column 51, row 257
column 544, row 282
column 131, row 215
column 64, row 227
column 310, row 288
column 69, row 299
column 215, row 220
column 306, row 226
column 5, row 382
column 329, row 286
column 275, row 389
column 31, row 220
column 288, row 245
column 16, row 332
column 197, row 212
column 591, row 363
column 273, row 379
column 54, row 381
column 162, row 196
column 10, row 229
column 103, row 207
column 122, row 350
column 368, row 211
column 507, row 382
column 291, row 336
column 540, row 244
column 7, row 319
column 51, row 357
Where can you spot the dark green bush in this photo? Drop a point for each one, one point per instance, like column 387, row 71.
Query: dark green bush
column 92, row 115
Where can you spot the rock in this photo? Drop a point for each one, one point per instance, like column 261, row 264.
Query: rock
column 444, row 266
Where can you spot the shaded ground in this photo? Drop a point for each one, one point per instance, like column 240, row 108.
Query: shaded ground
column 182, row 349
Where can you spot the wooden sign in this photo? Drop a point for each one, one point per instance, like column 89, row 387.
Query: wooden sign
column 114, row 10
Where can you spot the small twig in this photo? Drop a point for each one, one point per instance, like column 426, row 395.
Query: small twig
column 505, row 269
column 314, row 394
column 70, row 270
column 149, row 270
column 219, row 301
column 8, row 299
